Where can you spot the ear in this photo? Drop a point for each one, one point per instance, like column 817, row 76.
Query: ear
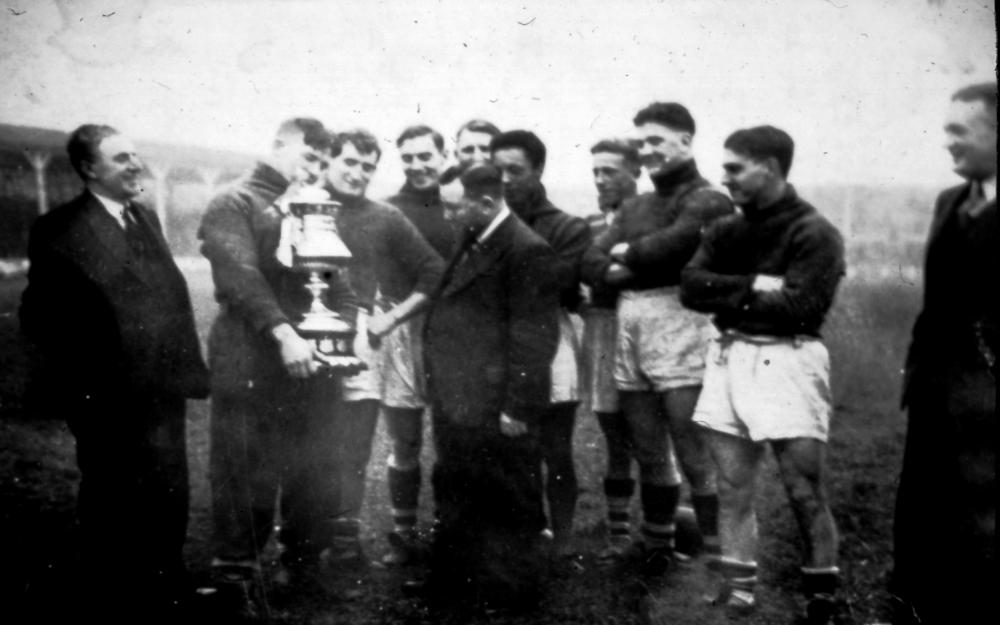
column 773, row 166
column 87, row 168
column 686, row 139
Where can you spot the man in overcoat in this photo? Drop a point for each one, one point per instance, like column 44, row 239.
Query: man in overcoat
column 945, row 524
column 110, row 313
column 490, row 338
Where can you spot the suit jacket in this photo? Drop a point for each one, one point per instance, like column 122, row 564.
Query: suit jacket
column 957, row 327
column 107, row 324
column 493, row 328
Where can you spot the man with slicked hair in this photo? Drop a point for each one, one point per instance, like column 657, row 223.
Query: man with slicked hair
column 421, row 149
column 616, row 169
column 393, row 271
column 520, row 155
column 768, row 275
column 472, row 147
column 945, row 525
column 110, row 313
column 272, row 408
column 660, row 357
column 490, row 337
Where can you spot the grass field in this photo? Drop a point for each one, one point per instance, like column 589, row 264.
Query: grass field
column 866, row 333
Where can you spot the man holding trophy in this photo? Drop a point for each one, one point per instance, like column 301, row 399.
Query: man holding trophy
column 271, row 348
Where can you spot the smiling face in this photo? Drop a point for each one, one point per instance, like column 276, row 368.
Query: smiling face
column 350, row 172
column 423, row 162
column 297, row 161
column 472, row 148
column 663, row 148
column 114, row 169
column 971, row 139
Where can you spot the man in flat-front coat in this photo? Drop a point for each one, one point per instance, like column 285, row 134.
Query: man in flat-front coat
column 490, row 338
column 111, row 316
column 945, row 525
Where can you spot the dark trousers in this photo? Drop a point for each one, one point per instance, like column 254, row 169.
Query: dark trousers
column 489, row 497
column 945, row 523
column 132, row 508
column 556, row 438
column 295, row 438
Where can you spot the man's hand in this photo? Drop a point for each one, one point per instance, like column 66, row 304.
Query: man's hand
column 617, row 274
column 512, row 427
column 768, row 284
column 381, row 324
column 296, row 352
column 618, row 252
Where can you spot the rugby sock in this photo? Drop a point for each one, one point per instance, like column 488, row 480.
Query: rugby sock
column 404, row 492
column 659, row 503
column 819, row 584
column 706, row 509
column 741, row 581
column 618, row 493
column 820, row 581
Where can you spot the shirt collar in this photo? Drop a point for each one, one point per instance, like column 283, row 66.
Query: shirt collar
column 115, row 208
column 491, row 228
column 989, row 186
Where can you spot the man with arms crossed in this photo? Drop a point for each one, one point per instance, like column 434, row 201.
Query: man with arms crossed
column 945, row 526
column 393, row 271
column 768, row 275
column 421, row 149
column 616, row 169
column 660, row 358
column 520, row 156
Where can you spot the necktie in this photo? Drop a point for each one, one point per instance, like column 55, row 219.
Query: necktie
column 133, row 231
column 972, row 203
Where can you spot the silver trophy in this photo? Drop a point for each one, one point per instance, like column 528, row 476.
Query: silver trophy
column 318, row 250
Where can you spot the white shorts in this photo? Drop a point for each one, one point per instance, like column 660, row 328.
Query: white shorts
column 365, row 384
column 565, row 366
column 401, row 366
column 661, row 344
column 766, row 388
column 600, row 336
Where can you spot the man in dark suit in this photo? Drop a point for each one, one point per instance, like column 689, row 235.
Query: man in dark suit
column 110, row 313
column 945, row 525
column 490, row 338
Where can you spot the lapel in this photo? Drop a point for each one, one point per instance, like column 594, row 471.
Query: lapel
column 102, row 249
column 479, row 260
column 950, row 204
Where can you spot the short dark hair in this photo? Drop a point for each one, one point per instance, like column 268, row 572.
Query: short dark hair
column 83, row 143
column 985, row 92
column 669, row 114
column 313, row 133
column 362, row 140
column 762, row 142
column 627, row 148
column 478, row 125
column 483, row 179
column 526, row 140
column 420, row 130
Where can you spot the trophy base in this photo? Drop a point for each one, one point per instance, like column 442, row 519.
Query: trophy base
column 333, row 341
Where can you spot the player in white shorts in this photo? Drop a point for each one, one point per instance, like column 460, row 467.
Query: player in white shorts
column 769, row 275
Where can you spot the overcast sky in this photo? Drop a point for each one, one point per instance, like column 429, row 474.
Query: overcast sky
column 862, row 86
